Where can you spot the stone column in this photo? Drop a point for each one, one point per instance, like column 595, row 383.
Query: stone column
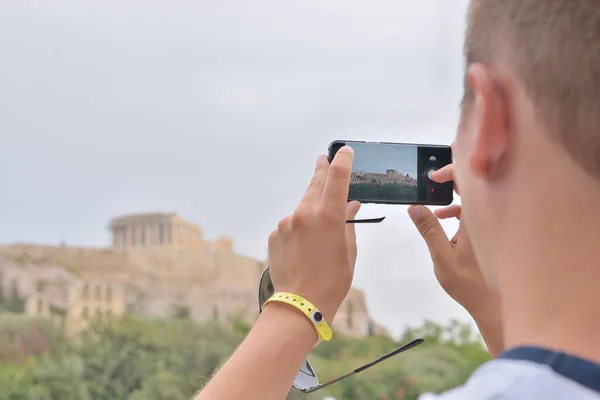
column 155, row 234
column 119, row 239
column 143, row 235
column 144, row 228
column 175, row 234
column 149, row 234
column 133, row 229
column 148, row 228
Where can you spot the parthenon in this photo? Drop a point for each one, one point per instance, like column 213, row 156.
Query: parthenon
column 155, row 230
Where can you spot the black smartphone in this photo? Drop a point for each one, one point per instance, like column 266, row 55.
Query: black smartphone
column 397, row 173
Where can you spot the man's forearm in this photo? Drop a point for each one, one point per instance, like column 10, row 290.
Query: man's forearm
column 266, row 363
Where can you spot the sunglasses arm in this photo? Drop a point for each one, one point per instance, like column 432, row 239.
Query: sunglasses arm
column 399, row 350
column 365, row 221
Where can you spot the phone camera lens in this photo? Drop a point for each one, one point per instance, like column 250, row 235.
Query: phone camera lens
column 432, row 159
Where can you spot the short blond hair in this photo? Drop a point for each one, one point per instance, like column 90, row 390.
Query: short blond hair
column 553, row 46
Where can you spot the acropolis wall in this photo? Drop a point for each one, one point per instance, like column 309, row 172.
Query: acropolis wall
column 164, row 270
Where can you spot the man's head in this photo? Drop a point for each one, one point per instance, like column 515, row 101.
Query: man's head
column 529, row 135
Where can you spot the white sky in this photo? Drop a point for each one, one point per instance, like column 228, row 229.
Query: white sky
column 218, row 111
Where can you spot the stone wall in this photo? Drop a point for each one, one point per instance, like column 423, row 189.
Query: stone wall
column 53, row 292
column 209, row 282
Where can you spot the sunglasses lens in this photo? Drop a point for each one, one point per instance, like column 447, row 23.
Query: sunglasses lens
column 306, row 378
column 265, row 288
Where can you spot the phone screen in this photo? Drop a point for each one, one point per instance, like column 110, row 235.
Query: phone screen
column 397, row 173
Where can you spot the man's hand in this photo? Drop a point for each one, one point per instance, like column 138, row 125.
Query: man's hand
column 456, row 268
column 312, row 253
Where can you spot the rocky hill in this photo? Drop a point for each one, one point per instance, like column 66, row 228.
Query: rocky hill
column 208, row 282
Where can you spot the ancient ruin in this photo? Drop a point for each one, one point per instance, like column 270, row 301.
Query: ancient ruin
column 159, row 265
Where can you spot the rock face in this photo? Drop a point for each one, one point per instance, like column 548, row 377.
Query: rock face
column 391, row 177
column 54, row 293
column 203, row 280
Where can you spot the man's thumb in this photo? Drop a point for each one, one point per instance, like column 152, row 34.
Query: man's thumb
column 429, row 227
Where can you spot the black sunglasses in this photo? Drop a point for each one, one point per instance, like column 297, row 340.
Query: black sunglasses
column 306, row 381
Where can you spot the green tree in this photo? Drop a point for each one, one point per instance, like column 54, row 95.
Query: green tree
column 18, row 382
column 63, row 378
column 2, row 299
column 239, row 325
column 162, row 385
column 386, row 383
column 370, row 329
column 350, row 315
column 182, row 312
column 136, row 359
column 15, row 303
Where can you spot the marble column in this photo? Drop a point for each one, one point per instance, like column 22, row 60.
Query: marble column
column 119, row 237
column 134, row 235
column 125, row 236
column 157, row 234
column 143, row 236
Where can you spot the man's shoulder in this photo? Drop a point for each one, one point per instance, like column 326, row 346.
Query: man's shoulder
column 516, row 379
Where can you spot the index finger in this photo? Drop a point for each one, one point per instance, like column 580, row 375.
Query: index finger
column 444, row 174
column 337, row 185
column 315, row 188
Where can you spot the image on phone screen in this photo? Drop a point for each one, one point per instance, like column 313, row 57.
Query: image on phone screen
column 397, row 173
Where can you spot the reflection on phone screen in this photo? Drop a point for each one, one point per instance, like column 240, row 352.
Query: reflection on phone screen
column 384, row 172
column 397, row 173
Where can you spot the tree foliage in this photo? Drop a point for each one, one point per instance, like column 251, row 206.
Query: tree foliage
column 140, row 359
column 390, row 191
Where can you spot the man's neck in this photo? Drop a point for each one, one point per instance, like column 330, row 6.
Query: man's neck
column 550, row 286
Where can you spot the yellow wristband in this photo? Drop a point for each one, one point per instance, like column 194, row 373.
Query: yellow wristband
column 308, row 309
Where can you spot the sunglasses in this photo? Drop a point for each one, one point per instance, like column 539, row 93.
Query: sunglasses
column 306, row 381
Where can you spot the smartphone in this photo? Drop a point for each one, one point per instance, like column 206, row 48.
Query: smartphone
column 397, row 173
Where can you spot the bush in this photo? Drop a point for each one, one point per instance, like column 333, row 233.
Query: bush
column 137, row 359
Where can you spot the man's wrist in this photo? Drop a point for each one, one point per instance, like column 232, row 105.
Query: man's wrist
column 488, row 317
column 292, row 322
column 486, row 308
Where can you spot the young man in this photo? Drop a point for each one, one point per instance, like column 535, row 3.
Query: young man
column 528, row 168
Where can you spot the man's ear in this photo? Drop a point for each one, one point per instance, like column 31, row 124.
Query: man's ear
column 489, row 123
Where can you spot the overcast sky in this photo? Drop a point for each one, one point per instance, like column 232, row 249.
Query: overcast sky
column 380, row 158
column 218, row 110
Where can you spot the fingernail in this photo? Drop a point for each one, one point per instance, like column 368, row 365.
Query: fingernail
column 415, row 212
column 321, row 159
column 347, row 149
